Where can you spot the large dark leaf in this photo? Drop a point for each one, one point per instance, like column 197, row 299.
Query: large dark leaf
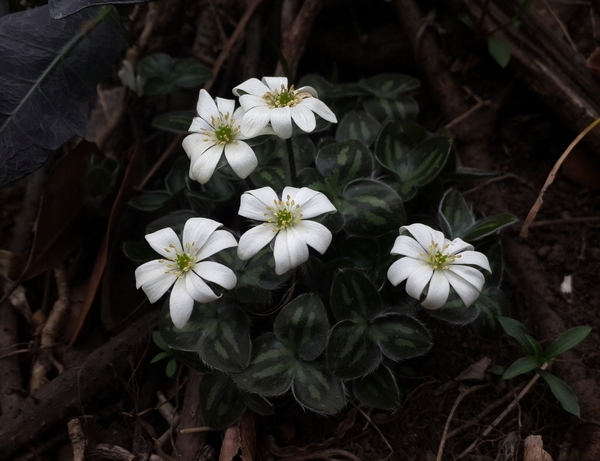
column 49, row 72
column 61, row 8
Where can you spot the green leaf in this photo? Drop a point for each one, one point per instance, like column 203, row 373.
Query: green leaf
column 455, row 312
column 521, row 366
column 272, row 176
column 389, row 85
column 378, row 390
column 499, row 50
column 343, row 90
column 400, row 337
column 270, row 370
column 175, row 220
column 177, row 176
column 259, row 272
column 315, row 388
column 221, row 401
column 259, row 404
column 161, row 74
column 566, row 341
column 175, row 122
column 159, row 341
column 302, row 326
column 218, row 189
column 320, row 84
column 456, row 216
column 564, row 394
column 342, row 162
column 401, row 108
column 138, row 251
column 350, row 352
column 370, row 208
column 189, row 73
column 151, row 201
column 171, row 368
column 359, row 126
column 160, row 356
column 492, row 303
column 517, row 330
column 354, row 297
column 488, row 226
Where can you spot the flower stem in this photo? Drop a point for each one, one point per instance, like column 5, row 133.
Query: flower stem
column 291, row 159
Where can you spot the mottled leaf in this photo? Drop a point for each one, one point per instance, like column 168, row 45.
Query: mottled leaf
column 400, row 337
column 400, row 108
column 390, row 85
column 354, row 297
column 455, row 312
column 456, row 216
column 359, row 126
column 315, row 388
column 350, row 352
column 221, row 401
column 378, row 389
column 343, row 162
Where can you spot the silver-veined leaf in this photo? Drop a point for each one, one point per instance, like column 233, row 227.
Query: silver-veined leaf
column 378, row 389
column 401, row 108
column 350, row 352
column 221, row 400
column 400, row 337
column 315, row 388
column 342, row 162
column 492, row 303
column 354, row 297
column 456, row 216
column 359, row 126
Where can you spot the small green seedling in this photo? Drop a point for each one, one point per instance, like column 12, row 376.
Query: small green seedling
column 537, row 357
column 171, row 367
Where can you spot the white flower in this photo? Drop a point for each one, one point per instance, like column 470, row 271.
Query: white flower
column 217, row 130
column 287, row 219
column 271, row 101
column 183, row 266
column 431, row 259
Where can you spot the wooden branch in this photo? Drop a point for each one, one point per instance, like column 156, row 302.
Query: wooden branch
column 189, row 446
column 67, row 394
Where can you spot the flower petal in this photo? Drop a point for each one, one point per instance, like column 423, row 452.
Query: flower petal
column 315, row 235
column 241, row 158
column 249, row 101
column 206, row 108
column 403, row 268
column 204, row 166
column 198, row 124
column 304, row 118
column 153, row 280
column 198, row 289
column 467, row 292
column 281, row 121
column 457, row 245
column 469, row 274
column 196, row 144
column 255, row 119
column 251, row 86
column 218, row 241
column 474, row 258
column 276, row 83
column 424, row 234
column 416, row 282
column 290, row 251
column 255, row 240
column 226, row 106
column 197, row 231
column 308, row 89
column 437, row 292
column 181, row 303
column 161, row 242
column 254, row 203
column 408, row 246
column 320, row 108
column 311, row 202
column 216, row 273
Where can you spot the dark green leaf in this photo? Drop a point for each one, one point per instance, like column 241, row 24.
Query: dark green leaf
column 50, row 72
column 463, row 174
column 400, row 337
column 159, row 341
column 492, row 303
column 378, row 390
column 455, row 312
column 354, row 297
column 259, row 272
column 259, row 404
column 272, row 176
column 175, row 221
column 315, row 388
column 176, row 178
column 198, row 203
column 320, row 84
column 160, row 356
column 488, row 226
column 456, row 216
column 161, row 74
column 499, row 50
column 189, row 73
column 350, row 352
column 343, row 90
column 359, row 126
column 566, row 341
column 171, row 368
column 390, row 85
column 221, row 401
column 534, row 345
column 151, row 201
column 138, row 251
column 517, row 330
column 521, row 366
column 343, row 162
column 564, row 394
column 302, row 326
column 401, row 108
column 175, row 122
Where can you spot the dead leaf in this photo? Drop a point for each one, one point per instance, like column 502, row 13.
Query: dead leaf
column 248, row 436
column 476, row 371
column 533, row 449
column 231, row 443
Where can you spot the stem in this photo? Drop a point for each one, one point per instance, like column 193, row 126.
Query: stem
column 291, row 159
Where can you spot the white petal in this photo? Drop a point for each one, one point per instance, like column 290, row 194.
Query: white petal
column 255, row 240
column 216, row 273
column 218, row 241
column 226, row 106
column 308, row 89
column 315, row 235
column 290, row 251
column 197, row 231
column 241, row 158
column 181, row 304
column 416, row 282
column 198, row 124
column 254, row 203
column 408, row 246
column 155, row 283
column 437, row 293
column 467, row 292
column 281, row 121
column 312, row 203
column 198, row 289
column 424, row 235
column 249, row 101
column 303, row 117
column 474, row 258
column 320, row 108
column 252, row 86
column 254, row 120
column 206, row 107
column 196, row 144
column 469, row 275
column 275, row 83
column 161, row 240
column 457, row 245
column 403, row 268
column 204, row 166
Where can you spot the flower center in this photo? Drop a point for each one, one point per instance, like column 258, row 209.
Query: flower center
column 184, row 262
column 181, row 261
column 286, row 97
column 284, row 214
column 225, row 129
column 438, row 258
column 224, row 134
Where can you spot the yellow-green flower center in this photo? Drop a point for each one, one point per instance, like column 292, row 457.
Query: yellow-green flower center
column 180, row 262
column 184, row 262
column 283, row 214
column 285, row 97
column 224, row 134
column 225, row 129
column 438, row 258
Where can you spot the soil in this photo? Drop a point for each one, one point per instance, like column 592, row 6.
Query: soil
column 526, row 141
